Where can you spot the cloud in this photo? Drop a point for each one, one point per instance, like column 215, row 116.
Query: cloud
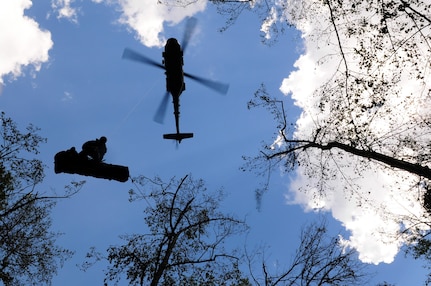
column 146, row 17
column 23, row 42
column 65, row 10
column 371, row 201
column 67, row 96
column 370, row 205
column 269, row 22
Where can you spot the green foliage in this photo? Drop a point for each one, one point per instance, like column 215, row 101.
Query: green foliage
column 6, row 184
column 14, row 144
column 185, row 243
column 422, row 249
column 28, row 253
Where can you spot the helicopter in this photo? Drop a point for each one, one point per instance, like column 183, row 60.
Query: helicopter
column 173, row 65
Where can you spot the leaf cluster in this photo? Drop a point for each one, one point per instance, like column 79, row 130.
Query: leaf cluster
column 319, row 260
column 28, row 253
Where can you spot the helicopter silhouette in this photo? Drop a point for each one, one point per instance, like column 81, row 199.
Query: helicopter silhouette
column 173, row 65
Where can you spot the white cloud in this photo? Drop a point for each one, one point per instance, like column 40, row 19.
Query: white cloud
column 269, row 22
column 372, row 202
column 276, row 15
column 146, row 17
column 22, row 41
column 366, row 205
column 65, row 10
column 67, row 96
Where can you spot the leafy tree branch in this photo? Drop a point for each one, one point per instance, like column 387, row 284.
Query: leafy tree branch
column 29, row 254
column 185, row 243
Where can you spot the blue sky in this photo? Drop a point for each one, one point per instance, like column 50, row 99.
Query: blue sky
column 84, row 90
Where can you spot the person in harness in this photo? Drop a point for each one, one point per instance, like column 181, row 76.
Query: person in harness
column 94, row 149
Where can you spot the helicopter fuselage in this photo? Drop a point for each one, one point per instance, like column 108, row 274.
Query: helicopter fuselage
column 173, row 62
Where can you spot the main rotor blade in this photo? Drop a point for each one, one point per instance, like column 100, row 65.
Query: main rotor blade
column 190, row 28
column 134, row 56
column 159, row 117
column 214, row 85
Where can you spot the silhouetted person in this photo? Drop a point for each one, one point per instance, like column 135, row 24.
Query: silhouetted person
column 94, row 149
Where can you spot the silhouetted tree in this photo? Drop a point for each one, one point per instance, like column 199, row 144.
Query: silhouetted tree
column 185, row 243
column 366, row 109
column 28, row 253
column 385, row 284
column 417, row 232
column 364, row 85
column 319, row 260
